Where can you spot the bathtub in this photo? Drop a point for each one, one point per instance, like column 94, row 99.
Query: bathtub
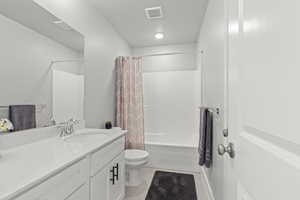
column 172, row 152
column 171, row 140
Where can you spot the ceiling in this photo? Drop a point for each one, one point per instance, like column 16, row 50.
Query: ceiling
column 181, row 23
column 29, row 14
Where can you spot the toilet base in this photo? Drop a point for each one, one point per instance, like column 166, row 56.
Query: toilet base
column 133, row 176
column 134, row 161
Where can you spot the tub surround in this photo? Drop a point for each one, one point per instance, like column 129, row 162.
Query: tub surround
column 24, row 167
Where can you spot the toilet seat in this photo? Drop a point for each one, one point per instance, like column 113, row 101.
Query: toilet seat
column 133, row 155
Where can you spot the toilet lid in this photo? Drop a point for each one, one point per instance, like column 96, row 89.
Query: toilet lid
column 136, row 155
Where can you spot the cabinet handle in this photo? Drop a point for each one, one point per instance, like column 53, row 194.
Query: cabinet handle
column 114, row 173
column 112, row 179
column 117, row 174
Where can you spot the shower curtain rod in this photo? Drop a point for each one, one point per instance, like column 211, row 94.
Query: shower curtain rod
column 62, row 61
column 70, row 60
column 164, row 54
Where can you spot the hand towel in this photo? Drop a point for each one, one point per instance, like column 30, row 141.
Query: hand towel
column 202, row 135
column 209, row 139
column 206, row 137
column 22, row 116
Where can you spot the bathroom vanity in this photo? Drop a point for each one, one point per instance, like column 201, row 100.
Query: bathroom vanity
column 88, row 165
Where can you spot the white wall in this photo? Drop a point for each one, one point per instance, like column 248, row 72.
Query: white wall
column 25, row 64
column 102, row 45
column 212, row 63
column 185, row 61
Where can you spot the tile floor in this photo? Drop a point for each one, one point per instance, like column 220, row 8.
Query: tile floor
column 148, row 173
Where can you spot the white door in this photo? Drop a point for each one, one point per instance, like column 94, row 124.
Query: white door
column 264, row 100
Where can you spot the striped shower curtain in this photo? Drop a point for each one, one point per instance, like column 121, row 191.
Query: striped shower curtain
column 129, row 111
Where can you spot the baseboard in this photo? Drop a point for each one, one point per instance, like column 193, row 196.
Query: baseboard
column 207, row 185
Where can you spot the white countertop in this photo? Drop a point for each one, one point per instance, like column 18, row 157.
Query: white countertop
column 27, row 165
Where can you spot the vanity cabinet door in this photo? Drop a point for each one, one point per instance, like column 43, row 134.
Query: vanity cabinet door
column 117, row 178
column 99, row 185
column 109, row 183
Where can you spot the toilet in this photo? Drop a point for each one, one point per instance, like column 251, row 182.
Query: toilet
column 135, row 160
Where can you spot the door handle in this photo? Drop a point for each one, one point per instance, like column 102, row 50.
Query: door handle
column 222, row 149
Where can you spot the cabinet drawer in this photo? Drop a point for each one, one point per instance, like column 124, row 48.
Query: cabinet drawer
column 60, row 186
column 102, row 157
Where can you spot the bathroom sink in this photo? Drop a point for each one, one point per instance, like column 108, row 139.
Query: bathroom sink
column 89, row 135
column 84, row 138
column 94, row 131
column 85, row 135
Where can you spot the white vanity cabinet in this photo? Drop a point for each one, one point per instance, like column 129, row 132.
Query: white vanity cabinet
column 67, row 184
column 97, row 176
column 109, row 183
column 117, row 178
column 108, row 178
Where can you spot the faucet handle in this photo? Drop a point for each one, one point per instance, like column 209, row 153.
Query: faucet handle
column 74, row 121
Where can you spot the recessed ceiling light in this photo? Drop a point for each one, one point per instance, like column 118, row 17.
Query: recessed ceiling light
column 159, row 36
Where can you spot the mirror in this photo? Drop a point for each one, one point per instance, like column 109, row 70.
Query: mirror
column 42, row 68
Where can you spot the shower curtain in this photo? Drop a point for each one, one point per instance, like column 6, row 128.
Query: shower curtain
column 129, row 113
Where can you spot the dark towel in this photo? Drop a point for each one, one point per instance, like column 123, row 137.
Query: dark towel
column 22, row 116
column 206, row 137
column 209, row 139
column 202, row 135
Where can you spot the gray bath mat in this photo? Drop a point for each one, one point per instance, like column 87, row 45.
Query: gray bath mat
column 172, row 186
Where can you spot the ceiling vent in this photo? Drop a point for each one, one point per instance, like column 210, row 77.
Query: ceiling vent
column 154, row 13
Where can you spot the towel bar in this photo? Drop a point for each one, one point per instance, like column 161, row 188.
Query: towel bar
column 214, row 110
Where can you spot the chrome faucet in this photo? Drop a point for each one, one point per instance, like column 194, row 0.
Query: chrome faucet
column 67, row 128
